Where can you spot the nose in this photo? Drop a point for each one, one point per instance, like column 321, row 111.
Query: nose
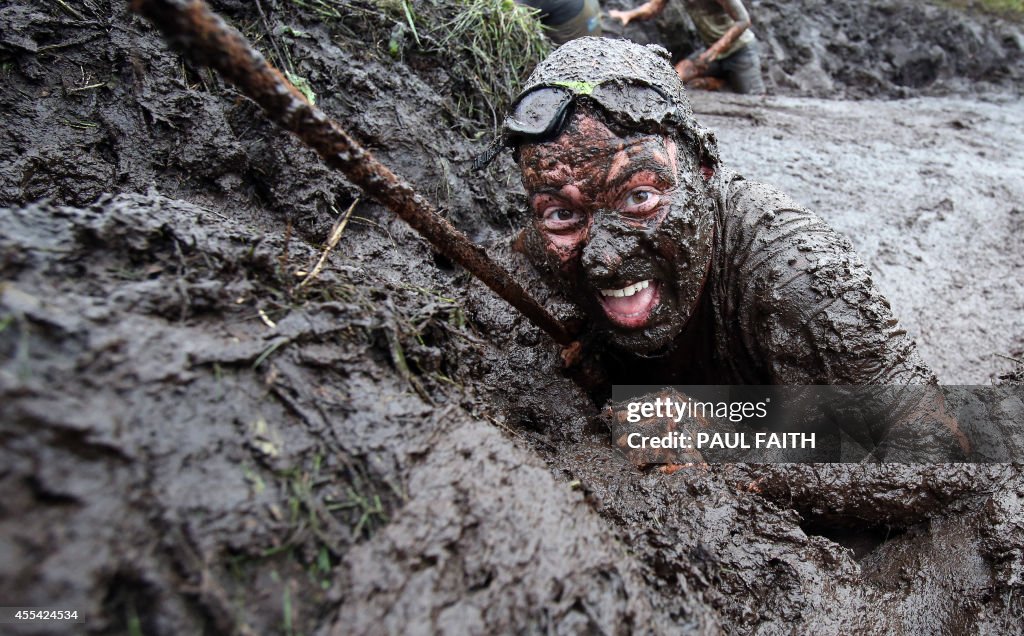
column 603, row 252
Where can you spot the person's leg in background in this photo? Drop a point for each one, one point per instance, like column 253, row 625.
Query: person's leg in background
column 742, row 69
column 586, row 23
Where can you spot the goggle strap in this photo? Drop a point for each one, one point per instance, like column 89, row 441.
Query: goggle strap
column 492, row 150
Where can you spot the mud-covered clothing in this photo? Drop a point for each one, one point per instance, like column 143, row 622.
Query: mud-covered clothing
column 712, row 22
column 742, row 69
column 786, row 301
column 568, row 19
column 806, row 307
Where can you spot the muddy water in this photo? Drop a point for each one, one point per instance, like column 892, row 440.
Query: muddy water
column 929, row 191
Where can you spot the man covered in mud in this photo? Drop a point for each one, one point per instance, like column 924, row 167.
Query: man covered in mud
column 730, row 56
column 688, row 273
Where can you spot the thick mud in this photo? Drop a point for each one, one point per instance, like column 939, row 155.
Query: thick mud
column 193, row 443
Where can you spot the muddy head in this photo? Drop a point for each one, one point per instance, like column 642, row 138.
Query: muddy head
column 621, row 184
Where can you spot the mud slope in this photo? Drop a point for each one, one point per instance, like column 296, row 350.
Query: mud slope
column 191, row 442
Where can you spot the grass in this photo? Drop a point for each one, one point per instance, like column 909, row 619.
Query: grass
column 494, row 44
column 274, row 346
column 1015, row 6
column 430, row 319
column 1007, row 8
column 370, row 510
column 132, row 621
column 324, row 512
column 286, row 611
column 487, row 47
column 20, row 357
column 81, row 124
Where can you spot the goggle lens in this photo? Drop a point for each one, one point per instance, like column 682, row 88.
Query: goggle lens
column 539, row 113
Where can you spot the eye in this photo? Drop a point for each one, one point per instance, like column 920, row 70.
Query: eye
column 562, row 214
column 638, row 198
column 641, row 200
column 558, row 219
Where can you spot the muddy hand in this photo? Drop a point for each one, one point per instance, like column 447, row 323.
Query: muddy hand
column 687, row 70
column 585, row 369
column 633, row 432
column 706, row 83
column 572, row 355
column 624, row 17
column 670, row 469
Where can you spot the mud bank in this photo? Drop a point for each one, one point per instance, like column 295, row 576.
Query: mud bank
column 193, row 443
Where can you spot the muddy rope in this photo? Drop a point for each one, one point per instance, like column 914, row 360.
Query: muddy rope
column 203, row 36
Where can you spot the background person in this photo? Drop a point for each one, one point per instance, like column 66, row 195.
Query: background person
column 568, row 19
column 731, row 56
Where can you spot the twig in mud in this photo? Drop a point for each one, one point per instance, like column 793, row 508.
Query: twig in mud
column 209, row 592
column 336, row 233
column 755, row 118
column 87, row 88
column 270, row 32
column 71, row 11
column 64, row 45
column 197, row 32
column 282, row 259
column 402, row 365
column 266, row 319
column 1011, row 359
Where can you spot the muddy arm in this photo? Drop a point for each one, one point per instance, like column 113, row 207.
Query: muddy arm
column 924, row 431
column 737, row 12
column 854, row 495
column 807, row 308
column 645, row 11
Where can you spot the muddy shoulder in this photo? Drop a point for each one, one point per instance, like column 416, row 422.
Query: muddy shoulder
column 197, row 441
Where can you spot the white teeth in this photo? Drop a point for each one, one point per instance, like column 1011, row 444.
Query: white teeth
column 628, row 290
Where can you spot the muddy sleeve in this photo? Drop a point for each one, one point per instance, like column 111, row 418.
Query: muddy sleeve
column 808, row 310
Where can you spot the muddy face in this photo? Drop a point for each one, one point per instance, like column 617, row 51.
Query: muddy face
column 623, row 225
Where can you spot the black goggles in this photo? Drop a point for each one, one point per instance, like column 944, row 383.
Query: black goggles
column 542, row 112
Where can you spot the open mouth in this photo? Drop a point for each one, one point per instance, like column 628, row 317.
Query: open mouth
column 630, row 306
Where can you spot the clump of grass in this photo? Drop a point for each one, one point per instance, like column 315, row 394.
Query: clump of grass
column 492, row 45
column 486, row 47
